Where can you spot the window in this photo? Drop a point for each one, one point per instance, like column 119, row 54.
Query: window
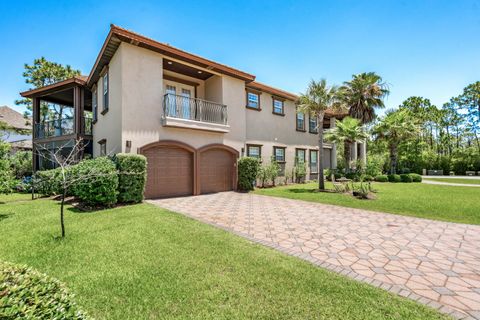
column 300, row 121
column 299, row 156
column 103, row 147
column 253, row 100
column 279, row 153
column 278, row 106
column 94, row 104
column 312, row 125
column 105, row 92
column 254, row 151
column 313, row 161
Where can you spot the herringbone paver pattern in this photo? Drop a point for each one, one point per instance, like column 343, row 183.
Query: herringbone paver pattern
column 436, row 263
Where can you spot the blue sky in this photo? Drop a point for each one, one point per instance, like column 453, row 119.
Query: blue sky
column 427, row 48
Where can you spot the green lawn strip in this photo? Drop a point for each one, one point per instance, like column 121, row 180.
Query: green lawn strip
column 455, row 180
column 439, row 202
column 12, row 197
column 142, row 262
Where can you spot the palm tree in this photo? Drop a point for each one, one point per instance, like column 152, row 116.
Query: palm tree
column 347, row 132
column 393, row 128
column 315, row 101
column 363, row 94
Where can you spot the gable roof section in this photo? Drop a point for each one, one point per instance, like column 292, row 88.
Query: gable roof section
column 13, row 118
column 65, row 84
column 118, row 35
column 276, row 92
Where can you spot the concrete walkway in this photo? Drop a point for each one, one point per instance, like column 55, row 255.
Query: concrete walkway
column 450, row 183
column 432, row 262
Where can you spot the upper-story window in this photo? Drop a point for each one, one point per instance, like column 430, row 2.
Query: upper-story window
column 105, row 92
column 278, row 107
column 253, row 100
column 254, row 151
column 300, row 121
column 279, row 154
column 95, row 104
column 312, row 124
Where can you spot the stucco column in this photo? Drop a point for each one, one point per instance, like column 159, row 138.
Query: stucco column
column 363, row 152
column 354, row 153
column 333, row 154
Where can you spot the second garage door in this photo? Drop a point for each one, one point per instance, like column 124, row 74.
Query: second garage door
column 169, row 172
column 217, row 168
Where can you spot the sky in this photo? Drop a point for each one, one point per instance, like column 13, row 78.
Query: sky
column 419, row 47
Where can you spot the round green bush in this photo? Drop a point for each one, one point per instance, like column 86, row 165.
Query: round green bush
column 416, row 177
column 28, row 294
column 394, row 178
column 132, row 175
column 98, row 182
column 247, row 173
column 367, row 178
column 406, row 177
column 381, row 178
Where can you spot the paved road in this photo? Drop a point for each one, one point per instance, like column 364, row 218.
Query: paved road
column 435, row 263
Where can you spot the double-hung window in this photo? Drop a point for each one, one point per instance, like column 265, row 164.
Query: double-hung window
column 105, row 92
column 253, row 100
column 254, row 151
column 300, row 156
column 312, row 124
column 300, row 121
column 313, row 161
column 278, row 107
column 103, row 147
column 279, row 154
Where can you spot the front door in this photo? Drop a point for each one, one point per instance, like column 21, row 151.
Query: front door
column 179, row 100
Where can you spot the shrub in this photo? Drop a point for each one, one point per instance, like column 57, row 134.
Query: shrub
column 416, row 177
column 394, row 178
column 22, row 165
column 273, row 170
column 47, row 182
column 300, row 170
column 29, row 294
column 381, row 178
column 406, row 177
column 99, row 182
column 132, row 174
column 6, row 175
column 367, row 178
column 374, row 165
column 247, row 173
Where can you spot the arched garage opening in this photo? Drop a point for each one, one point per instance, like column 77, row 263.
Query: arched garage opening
column 217, row 168
column 170, row 169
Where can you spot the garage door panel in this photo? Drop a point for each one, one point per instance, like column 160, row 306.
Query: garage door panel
column 216, row 171
column 169, row 172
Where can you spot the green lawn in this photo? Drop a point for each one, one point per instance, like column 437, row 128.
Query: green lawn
column 142, row 262
column 439, row 202
column 455, row 180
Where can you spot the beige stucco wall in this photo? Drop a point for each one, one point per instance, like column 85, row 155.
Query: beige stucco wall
column 136, row 93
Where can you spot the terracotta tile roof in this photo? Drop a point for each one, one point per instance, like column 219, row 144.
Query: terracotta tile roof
column 14, row 119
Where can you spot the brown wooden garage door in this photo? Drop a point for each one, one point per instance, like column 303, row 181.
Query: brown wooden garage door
column 216, row 169
column 169, row 172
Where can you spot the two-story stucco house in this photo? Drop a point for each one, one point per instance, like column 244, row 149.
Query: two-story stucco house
column 191, row 117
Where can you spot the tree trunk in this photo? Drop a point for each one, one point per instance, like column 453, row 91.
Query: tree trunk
column 346, row 155
column 62, row 224
column 393, row 159
column 321, row 180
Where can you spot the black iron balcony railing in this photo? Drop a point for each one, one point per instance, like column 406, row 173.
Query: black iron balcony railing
column 182, row 107
column 62, row 127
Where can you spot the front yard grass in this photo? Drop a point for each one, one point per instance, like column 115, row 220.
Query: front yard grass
column 142, row 262
column 455, row 180
column 438, row 202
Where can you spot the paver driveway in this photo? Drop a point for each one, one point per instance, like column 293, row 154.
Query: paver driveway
column 436, row 263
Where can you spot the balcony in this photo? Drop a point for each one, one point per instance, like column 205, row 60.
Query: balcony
column 61, row 127
column 185, row 112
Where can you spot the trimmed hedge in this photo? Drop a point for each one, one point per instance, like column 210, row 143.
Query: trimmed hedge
column 29, row 294
column 99, row 182
column 132, row 175
column 247, row 173
column 416, row 177
column 394, row 178
column 381, row 178
column 406, row 177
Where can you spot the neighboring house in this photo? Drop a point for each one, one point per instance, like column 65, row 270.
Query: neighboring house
column 191, row 117
column 19, row 129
